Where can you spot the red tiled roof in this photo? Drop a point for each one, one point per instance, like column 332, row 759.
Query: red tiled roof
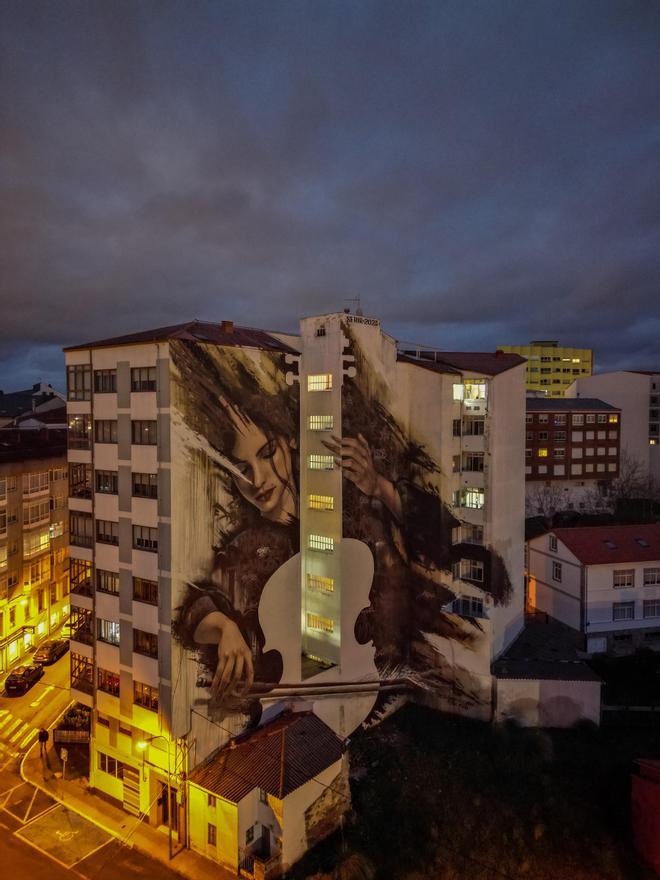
column 201, row 331
column 597, row 545
column 488, row 363
column 279, row 757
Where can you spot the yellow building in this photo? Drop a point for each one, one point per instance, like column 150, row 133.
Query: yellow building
column 551, row 368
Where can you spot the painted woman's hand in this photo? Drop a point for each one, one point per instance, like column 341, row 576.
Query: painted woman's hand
column 234, row 673
column 353, row 456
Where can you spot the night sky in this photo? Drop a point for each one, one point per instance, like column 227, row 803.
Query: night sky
column 480, row 173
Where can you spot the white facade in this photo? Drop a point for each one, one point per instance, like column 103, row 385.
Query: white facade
column 616, row 605
column 637, row 395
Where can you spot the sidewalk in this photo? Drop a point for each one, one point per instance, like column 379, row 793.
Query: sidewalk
column 45, row 774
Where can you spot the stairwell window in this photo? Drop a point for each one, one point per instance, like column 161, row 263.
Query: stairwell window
column 321, row 423
column 322, row 543
column 320, row 382
column 320, row 584
column 321, row 502
column 319, row 462
column 321, row 624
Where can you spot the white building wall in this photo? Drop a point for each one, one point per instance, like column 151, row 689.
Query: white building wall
column 560, row 599
column 601, row 596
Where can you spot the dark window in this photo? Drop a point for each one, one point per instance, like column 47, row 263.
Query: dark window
column 212, row 833
column 79, row 382
column 145, row 591
column 107, row 532
column 105, row 381
column 145, row 485
column 143, row 379
column 108, row 682
column 81, row 625
column 145, row 643
column 145, row 538
column 106, row 482
column 457, row 427
column 107, row 581
column 80, row 481
column 79, row 433
column 145, row 695
column 473, row 427
column 105, row 431
column 82, row 673
column 80, row 574
column 144, row 433
column 81, row 529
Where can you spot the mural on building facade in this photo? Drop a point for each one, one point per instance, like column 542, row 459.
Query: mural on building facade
column 236, row 468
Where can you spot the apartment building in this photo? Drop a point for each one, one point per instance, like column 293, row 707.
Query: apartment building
column 637, row 394
column 572, row 454
column 345, row 516
column 551, row 368
column 603, row 581
column 34, row 589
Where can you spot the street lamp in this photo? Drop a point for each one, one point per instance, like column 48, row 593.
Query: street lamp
column 142, row 746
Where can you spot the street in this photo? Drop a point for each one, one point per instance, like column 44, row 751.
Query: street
column 40, row 838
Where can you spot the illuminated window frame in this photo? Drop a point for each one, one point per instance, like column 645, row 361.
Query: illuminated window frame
column 321, row 542
column 320, row 462
column 543, row 452
column 320, row 382
column 319, row 583
column 319, row 623
column 321, row 423
column 321, row 502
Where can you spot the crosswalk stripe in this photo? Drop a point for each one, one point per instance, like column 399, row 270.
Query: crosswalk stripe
column 5, row 721
column 28, row 738
column 12, row 726
column 20, row 731
column 4, row 712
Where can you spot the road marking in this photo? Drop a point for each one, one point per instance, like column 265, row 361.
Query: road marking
column 20, row 731
column 5, row 721
column 27, row 812
column 27, row 739
column 12, row 726
column 4, row 712
column 51, row 687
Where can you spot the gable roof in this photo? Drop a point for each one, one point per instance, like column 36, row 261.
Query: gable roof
column 488, row 363
column 279, row 757
column 225, row 333
column 551, row 404
column 598, row 545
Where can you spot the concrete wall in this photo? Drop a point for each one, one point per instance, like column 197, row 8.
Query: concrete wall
column 536, row 703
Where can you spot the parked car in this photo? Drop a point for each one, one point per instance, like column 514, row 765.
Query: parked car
column 51, row 651
column 22, row 678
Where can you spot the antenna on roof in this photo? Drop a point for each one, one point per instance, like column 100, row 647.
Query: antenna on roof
column 356, row 300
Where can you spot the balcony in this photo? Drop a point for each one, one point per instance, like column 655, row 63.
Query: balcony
column 84, row 635
column 81, row 540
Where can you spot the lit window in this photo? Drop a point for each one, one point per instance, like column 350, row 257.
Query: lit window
column 543, row 452
column 320, row 583
column 321, row 542
column 321, row 502
column 319, row 462
column 613, row 418
column 320, row 382
column 321, row 423
column 322, row 624
column 459, row 389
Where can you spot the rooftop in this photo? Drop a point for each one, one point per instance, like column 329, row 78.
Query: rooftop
column 488, row 363
column 568, row 404
column 279, row 758
column 16, row 403
column 546, row 649
column 599, row 545
column 224, row 333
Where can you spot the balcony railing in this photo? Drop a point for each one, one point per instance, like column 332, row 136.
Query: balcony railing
column 82, row 684
column 84, row 588
column 84, row 635
column 81, row 540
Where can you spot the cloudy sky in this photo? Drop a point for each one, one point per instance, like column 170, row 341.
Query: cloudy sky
column 479, row 173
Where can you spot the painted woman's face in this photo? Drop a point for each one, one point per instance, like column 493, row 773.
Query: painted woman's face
column 266, row 465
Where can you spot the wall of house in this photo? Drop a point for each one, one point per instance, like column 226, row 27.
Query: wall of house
column 224, row 816
column 601, row 596
column 543, row 703
column 629, row 392
column 560, row 599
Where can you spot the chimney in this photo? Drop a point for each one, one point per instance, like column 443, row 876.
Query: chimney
column 227, row 326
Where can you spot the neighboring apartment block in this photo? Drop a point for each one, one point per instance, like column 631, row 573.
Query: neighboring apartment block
column 323, row 514
column 603, row 581
column 550, row 367
column 572, row 453
column 637, row 394
column 34, row 588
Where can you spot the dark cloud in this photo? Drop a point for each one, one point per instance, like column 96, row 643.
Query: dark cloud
column 479, row 172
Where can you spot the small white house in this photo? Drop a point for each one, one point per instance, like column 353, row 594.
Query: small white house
column 258, row 804
column 603, row 581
